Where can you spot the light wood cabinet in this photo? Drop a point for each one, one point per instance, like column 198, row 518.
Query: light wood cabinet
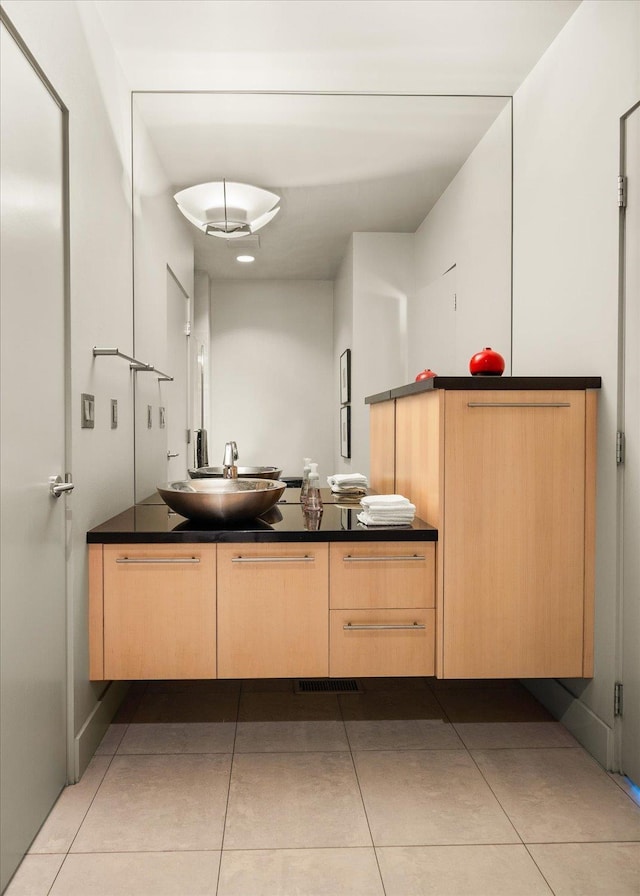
column 383, row 461
column 508, row 477
column 382, row 619
column 158, row 611
column 273, row 610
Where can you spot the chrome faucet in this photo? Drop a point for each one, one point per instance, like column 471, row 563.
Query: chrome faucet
column 230, row 470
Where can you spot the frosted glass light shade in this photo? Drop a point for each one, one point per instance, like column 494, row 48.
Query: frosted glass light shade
column 246, row 210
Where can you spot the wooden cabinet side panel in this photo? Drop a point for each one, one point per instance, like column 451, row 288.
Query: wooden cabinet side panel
column 160, row 619
column 273, row 617
column 514, row 550
column 591, row 439
column 357, row 581
column 418, row 453
column 96, row 609
column 382, row 447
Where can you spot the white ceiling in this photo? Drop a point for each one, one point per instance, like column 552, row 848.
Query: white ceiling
column 340, row 163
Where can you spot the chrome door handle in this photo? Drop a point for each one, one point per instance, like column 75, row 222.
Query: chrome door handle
column 170, row 455
column 57, row 487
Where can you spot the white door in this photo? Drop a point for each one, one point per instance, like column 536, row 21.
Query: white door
column 33, row 664
column 631, row 469
column 177, row 411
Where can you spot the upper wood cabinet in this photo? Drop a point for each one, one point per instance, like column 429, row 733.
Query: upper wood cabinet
column 508, row 477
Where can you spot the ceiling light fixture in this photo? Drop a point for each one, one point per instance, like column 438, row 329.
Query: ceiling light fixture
column 245, row 259
column 226, row 209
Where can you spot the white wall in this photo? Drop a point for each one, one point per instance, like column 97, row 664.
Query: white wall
column 383, row 280
column 469, row 227
column 342, row 340
column 100, row 286
column 272, row 372
column 566, row 157
column 161, row 237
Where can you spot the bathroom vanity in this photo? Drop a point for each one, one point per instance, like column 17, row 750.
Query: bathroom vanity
column 172, row 598
column 498, row 583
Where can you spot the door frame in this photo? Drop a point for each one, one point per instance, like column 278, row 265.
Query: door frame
column 64, row 112
column 620, row 425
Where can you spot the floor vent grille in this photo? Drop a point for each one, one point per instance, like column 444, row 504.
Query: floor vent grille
column 327, row 686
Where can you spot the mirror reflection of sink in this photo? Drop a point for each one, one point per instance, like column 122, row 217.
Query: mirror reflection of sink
column 243, row 472
column 223, row 500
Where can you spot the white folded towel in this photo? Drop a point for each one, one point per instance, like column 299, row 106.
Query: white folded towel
column 348, row 483
column 369, row 519
column 387, row 510
column 386, row 502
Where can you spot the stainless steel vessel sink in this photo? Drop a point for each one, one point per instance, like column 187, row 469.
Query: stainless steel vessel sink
column 222, row 500
column 243, row 472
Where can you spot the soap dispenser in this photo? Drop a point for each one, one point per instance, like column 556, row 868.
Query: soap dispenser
column 305, row 480
column 313, row 502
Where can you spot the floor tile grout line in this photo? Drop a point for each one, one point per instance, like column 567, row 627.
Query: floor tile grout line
column 544, row 876
column 495, row 796
column 226, row 806
column 364, row 807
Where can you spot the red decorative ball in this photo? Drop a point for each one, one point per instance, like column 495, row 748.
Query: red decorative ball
column 486, row 363
column 425, row 375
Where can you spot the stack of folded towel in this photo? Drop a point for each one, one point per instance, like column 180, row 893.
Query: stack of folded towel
column 387, row 510
column 353, row 484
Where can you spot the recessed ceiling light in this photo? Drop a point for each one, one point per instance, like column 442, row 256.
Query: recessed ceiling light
column 245, row 259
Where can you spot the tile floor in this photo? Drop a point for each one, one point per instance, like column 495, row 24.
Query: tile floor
column 413, row 787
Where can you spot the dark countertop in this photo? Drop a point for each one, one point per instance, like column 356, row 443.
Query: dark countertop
column 154, row 523
column 488, row 383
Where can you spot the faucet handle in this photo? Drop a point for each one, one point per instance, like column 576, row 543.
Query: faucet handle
column 230, row 454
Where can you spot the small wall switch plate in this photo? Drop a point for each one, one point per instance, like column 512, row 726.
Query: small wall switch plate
column 114, row 413
column 149, row 416
column 87, row 411
column 162, row 417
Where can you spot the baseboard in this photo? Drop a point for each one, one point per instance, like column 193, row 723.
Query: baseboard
column 587, row 728
column 95, row 727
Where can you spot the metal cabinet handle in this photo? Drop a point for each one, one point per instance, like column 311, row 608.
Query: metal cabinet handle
column 170, row 455
column 349, row 559
column 158, row 560
column 518, row 404
column 414, row 626
column 305, row 559
column 57, row 487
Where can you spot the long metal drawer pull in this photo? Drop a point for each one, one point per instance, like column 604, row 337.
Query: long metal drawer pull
column 305, row 559
column 518, row 404
column 414, row 626
column 349, row 559
column 158, row 560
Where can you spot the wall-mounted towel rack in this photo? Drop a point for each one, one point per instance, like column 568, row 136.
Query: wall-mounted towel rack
column 138, row 366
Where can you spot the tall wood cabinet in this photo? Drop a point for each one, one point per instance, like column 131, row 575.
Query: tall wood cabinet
column 508, row 478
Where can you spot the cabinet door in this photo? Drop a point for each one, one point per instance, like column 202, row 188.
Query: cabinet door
column 514, row 560
column 382, row 642
column 382, row 424
column 382, row 574
column 273, row 610
column 159, row 611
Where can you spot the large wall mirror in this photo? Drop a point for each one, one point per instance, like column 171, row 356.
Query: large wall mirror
column 393, row 240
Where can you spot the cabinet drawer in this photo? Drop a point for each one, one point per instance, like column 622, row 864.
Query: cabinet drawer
column 390, row 642
column 159, row 611
column 272, row 610
column 382, row 574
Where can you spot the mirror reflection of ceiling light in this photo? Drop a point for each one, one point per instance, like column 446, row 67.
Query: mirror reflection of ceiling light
column 245, row 259
column 226, row 209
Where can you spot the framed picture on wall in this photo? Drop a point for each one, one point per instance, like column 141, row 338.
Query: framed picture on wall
column 345, row 376
column 345, row 431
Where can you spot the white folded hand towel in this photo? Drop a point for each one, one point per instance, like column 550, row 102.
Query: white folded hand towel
column 369, row 519
column 386, row 502
column 387, row 510
column 348, row 479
